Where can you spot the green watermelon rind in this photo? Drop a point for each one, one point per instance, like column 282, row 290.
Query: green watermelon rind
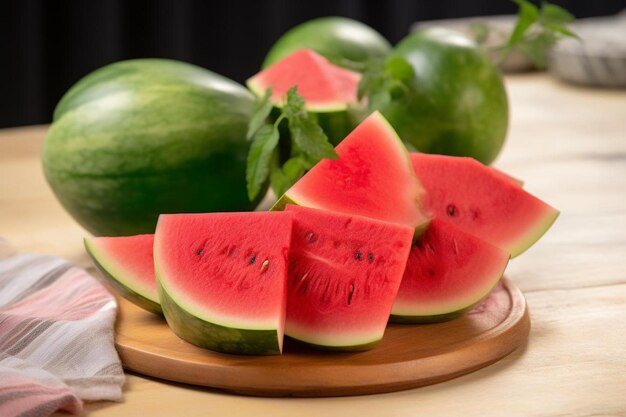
column 134, row 139
column 324, row 35
column 216, row 337
column 343, row 348
column 338, row 343
column 426, row 317
column 457, row 102
column 282, row 202
column 535, row 233
column 123, row 286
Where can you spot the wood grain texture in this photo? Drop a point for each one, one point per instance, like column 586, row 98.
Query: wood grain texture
column 569, row 145
column 408, row 356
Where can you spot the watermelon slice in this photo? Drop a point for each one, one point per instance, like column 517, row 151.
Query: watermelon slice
column 448, row 271
column 344, row 273
column 128, row 265
column 474, row 198
column 324, row 86
column 372, row 177
column 222, row 278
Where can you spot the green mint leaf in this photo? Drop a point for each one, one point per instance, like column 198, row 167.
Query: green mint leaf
column 365, row 85
column 554, row 18
column 295, row 103
column 526, row 17
column 537, row 30
column 294, row 168
column 259, row 157
column 551, row 14
column 564, row 31
column 379, row 99
column 372, row 78
column 536, row 48
column 386, row 81
column 260, row 113
column 310, row 138
column 279, row 181
column 399, row 69
column 307, row 135
column 480, row 32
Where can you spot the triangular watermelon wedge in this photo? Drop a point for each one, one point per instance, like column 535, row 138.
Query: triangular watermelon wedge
column 344, row 273
column 482, row 202
column 324, row 86
column 372, row 177
column 448, row 272
column 127, row 263
column 222, row 278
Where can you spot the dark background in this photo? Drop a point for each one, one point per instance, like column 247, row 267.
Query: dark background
column 47, row 45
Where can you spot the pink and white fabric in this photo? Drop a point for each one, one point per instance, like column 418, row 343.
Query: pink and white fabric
column 56, row 337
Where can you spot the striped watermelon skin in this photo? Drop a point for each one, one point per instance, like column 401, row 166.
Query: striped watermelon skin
column 337, row 38
column 142, row 137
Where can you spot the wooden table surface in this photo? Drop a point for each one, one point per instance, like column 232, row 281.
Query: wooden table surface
column 569, row 145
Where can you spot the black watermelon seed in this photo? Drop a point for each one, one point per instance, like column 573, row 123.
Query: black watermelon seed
column 370, row 257
column 199, row 252
column 452, row 210
column 252, row 259
column 358, row 255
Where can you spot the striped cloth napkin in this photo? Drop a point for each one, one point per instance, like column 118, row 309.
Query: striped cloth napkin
column 56, row 337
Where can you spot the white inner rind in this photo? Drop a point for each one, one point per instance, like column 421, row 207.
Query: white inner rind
column 339, row 339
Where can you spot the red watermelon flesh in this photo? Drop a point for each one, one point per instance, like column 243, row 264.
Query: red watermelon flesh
column 324, row 86
column 468, row 194
column 222, row 278
column 448, row 271
column 128, row 264
column 506, row 177
column 344, row 273
column 372, row 177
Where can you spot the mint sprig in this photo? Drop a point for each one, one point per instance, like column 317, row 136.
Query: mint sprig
column 308, row 144
column 384, row 81
column 260, row 113
column 537, row 30
column 259, row 157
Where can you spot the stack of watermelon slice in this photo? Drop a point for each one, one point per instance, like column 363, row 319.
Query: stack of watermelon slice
column 374, row 235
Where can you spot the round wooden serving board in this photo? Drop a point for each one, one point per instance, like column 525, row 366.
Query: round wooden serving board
column 408, row 356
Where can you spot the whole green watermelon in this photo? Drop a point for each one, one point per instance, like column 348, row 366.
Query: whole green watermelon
column 336, row 38
column 138, row 138
column 456, row 103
